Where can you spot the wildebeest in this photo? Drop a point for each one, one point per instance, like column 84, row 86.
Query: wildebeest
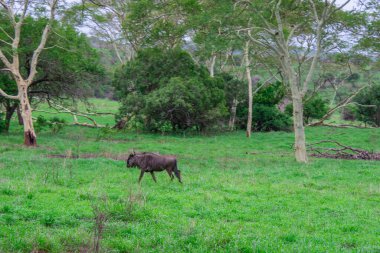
column 151, row 162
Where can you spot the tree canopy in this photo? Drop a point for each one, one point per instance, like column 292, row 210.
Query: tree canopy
column 165, row 88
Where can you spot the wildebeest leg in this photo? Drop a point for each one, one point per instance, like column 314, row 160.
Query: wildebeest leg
column 177, row 173
column 170, row 173
column 141, row 175
column 154, row 177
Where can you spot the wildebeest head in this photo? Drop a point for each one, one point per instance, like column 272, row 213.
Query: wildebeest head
column 131, row 160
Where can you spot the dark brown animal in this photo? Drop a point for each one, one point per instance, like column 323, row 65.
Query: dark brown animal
column 151, row 162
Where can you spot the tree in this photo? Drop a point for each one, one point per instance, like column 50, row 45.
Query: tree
column 11, row 48
column 297, row 44
column 164, row 90
column 107, row 21
column 69, row 70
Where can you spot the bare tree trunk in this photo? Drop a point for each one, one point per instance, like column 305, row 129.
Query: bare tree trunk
column 10, row 109
column 212, row 65
column 30, row 138
column 19, row 116
column 299, row 129
column 249, row 78
column 231, row 123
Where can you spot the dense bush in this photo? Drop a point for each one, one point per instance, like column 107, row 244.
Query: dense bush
column 313, row 108
column 269, row 118
column 265, row 115
column 370, row 115
column 166, row 91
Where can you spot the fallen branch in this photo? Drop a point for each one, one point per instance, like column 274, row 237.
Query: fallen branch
column 341, row 151
column 342, row 126
column 88, row 125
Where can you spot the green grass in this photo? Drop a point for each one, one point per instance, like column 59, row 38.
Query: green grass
column 230, row 201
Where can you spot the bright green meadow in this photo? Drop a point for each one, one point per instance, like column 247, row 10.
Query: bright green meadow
column 238, row 195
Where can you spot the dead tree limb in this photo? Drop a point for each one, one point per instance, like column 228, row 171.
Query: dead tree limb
column 340, row 151
column 345, row 102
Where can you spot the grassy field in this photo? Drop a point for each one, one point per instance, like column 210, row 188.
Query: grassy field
column 230, row 201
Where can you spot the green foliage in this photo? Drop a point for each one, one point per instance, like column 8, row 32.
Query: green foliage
column 371, row 96
column 233, row 88
column 269, row 118
column 167, row 31
column 265, row 115
column 314, row 108
column 353, row 78
column 104, row 133
column 270, row 95
column 165, row 90
column 69, row 67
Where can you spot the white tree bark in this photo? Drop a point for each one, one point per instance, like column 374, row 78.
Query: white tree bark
column 231, row 123
column 299, row 129
column 211, row 67
column 30, row 138
column 250, row 98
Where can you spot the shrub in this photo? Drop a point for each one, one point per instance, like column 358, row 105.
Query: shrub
column 41, row 123
column 370, row 115
column 314, row 108
column 265, row 115
column 164, row 90
column 269, row 118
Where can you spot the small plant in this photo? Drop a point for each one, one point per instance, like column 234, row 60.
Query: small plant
column 6, row 209
column 52, row 173
column 164, row 127
column 41, row 123
column 78, row 138
column 48, row 220
column 67, row 163
column 126, row 209
column 100, row 219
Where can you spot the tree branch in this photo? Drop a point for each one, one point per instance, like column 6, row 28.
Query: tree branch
column 8, row 96
column 345, row 102
column 44, row 37
column 5, row 60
